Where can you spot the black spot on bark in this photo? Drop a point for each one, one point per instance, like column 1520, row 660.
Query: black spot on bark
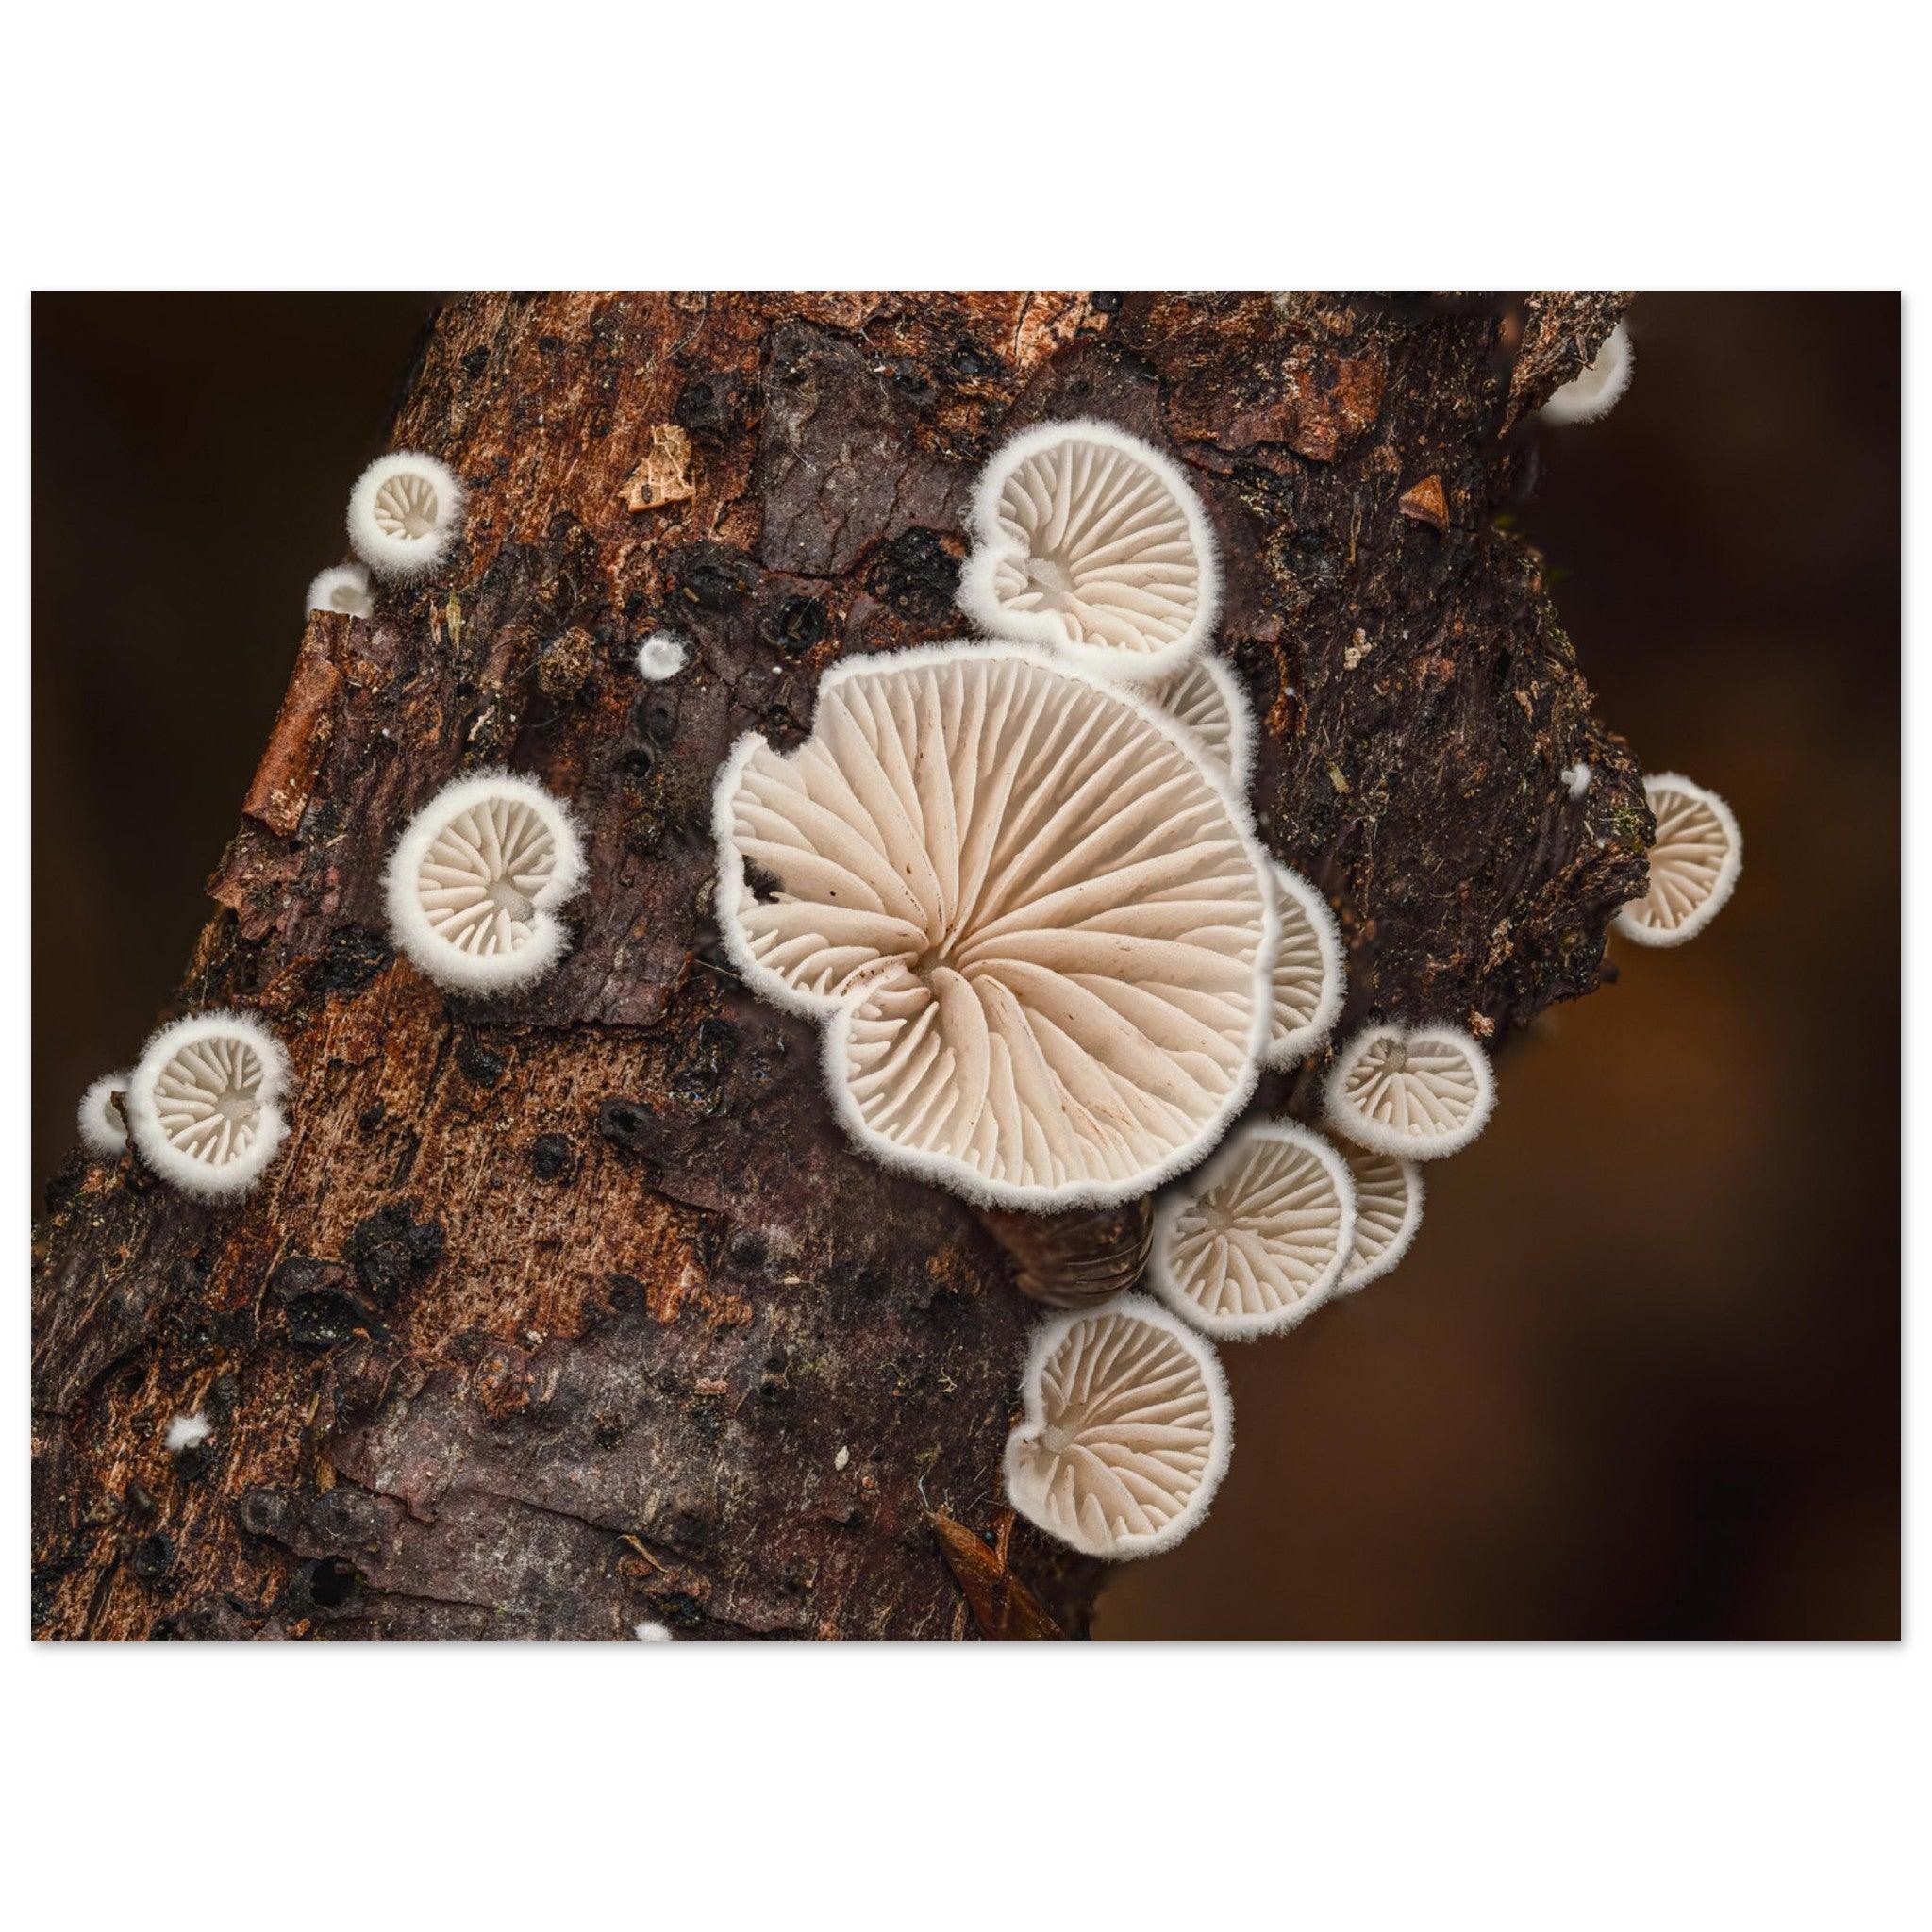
column 915, row 576
column 552, row 1157
column 798, row 623
column 480, row 1064
column 631, row 1126
column 391, row 1248
column 354, row 956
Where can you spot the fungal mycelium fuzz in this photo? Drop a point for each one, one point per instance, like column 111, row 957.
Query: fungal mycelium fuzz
column 204, row 1104
column 1694, row 863
column 1125, row 1432
column 1595, row 393
column 343, row 587
column 103, row 1127
column 1254, row 1241
column 474, row 883
column 1088, row 539
column 404, row 513
column 1042, row 932
column 1419, row 1093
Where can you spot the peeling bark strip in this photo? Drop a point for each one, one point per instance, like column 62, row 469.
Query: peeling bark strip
column 577, row 1308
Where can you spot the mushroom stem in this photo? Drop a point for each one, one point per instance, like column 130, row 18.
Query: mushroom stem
column 1076, row 1260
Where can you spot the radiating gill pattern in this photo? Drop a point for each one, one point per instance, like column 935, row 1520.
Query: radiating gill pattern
column 480, row 881
column 1089, row 538
column 1204, row 700
column 208, row 1099
column 1310, row 973
column 1126, row 1432
column 1421, row 1094
column 1049, row 933
column 1258, row 1238
column 1388, row 1209
column 406, row 506
column 1693, row 864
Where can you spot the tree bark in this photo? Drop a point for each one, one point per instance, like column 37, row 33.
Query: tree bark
column 577, row 1308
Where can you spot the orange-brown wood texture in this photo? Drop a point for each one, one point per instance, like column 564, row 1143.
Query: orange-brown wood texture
column 574, row 1308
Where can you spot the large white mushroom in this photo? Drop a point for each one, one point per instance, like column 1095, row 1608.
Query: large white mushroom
column 1088, row 539
column 1419, row 1093
column 1126, row 1431
column 1693, row 864
column 1254, row 1242
column 1042, row 933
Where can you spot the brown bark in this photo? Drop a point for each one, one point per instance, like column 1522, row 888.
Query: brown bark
column 577, row 1308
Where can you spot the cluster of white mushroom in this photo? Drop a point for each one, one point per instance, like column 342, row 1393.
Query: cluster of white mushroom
column 1019, row 882
column 471, row 891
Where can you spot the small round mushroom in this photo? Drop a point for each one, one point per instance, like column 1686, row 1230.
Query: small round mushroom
column 1693, row 864
column 103, row 1129
column 1576, row 779
column 1309, row 975
column 1253, row 1243
column 1205, row 700
column 650, row 1632
column 344, row 588
column 1041, row 931
column 1126, row 1430
column 186, row 1432
column 474, row 883
column 204, row 1104
column 1388, row 1211
column 404, row 513
column 661, row 655
column 1600, row 387
column 1088, row 539
column 1419, row 1092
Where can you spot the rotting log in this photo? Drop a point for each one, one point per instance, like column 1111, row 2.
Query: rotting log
column 577, row 1308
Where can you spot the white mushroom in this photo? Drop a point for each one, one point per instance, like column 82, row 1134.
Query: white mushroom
column 1126, row 1430
column 1254, row 1242
column 1693, row 865
column 473, row 883
column 1088, row 538
column 204, row 1103
column 1419, row 1092
column 1041, row 930
column 661, row 655
column 1309, row 975
column 344, row 588
column 1576, row 779
column 404, row 513
column 1388, row 1211
column 102, row 1129
column 1600, row 387
column 186, row 1432
column 1205, row 700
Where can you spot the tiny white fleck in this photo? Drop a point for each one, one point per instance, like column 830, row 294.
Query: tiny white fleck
column 844, row 1457
column 1577, row 778
column 661, row 655
column 187, row 1432
column 648, row 1632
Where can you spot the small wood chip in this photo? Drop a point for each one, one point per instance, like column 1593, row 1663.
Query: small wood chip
column 1424, row 503
column 1003, row 1607
column 664, row 475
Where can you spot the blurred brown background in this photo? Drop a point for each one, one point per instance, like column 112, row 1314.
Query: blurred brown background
column 1640, row 1377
